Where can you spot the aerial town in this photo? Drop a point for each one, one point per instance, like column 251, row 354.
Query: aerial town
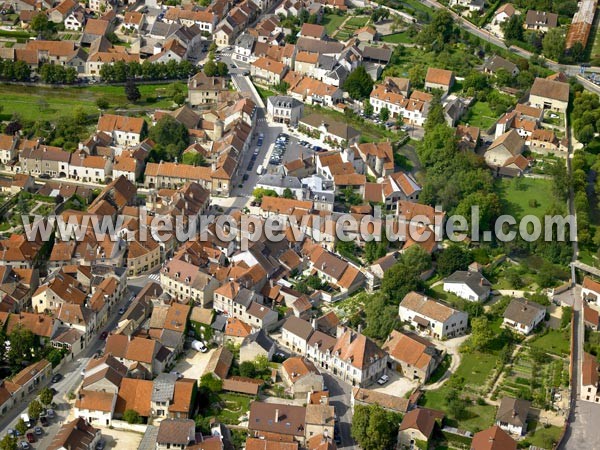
column 299, row 224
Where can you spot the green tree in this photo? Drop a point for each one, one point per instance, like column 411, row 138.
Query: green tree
column 287, row 193
column 247, row 369
column 503, row 78
column 586, row 134
column 102, row 103
column 453, row 258
column 374, row 428
column 437, row 33
column 211, row 383
column 171, row 138
column 131, row 416
column 8, row 443
column 399, row 280
column 553, row 43
column 22, row 345
column 384, row 114
column 21, row 427
column 481, row 332
column 222, row 69
column 380, row 316
column 40, row 24
column 513, row 28
column 416, row 75
column 210, row 68
column 131, row 91
column 367, row 108
column 358, row 84
column 35, row 409
column 259, row 193
column 46, row 396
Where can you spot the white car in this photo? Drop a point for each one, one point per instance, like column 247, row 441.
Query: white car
column 384, row 379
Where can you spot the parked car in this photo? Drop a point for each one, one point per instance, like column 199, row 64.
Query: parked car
column 56, row 378
column 38, row 431
column 121, row 311
column 384, row 379
column 199, row 346
column 50, row 413
column 30, row 438
column 100, row 445
column 245, row 177
column 45, row 176
column 24, row 445
column 44, row 421
column 11, row 432
column 179, row 374
column 103, row 335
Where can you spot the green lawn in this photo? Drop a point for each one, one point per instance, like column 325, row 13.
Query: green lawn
column 476, row 368
column 476, row 418
column 357, row 22
column 523, row 196
column 370, row 132
column 332, row 22
column 263, row 92
column 542, row 436
column 234, row 406
column 397, row 38
column 480, row 115
column 556, row 342
column 47, row 103
column 446, row 296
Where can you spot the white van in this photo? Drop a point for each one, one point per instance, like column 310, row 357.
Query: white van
column 260, row 169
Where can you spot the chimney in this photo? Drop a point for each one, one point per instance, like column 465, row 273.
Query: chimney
column 276, row 415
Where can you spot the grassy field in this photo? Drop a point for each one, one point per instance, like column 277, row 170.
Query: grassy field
column 332, row 22
column 543, row 436
column 234, row 406
column 555, row 342
column 35, row 103
column 397, row 38
column 480, row 115
column 370, row 132
column 477, row 417
column 520, row 195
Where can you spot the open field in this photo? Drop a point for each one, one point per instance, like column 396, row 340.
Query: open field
column 332, row 22
column 397, row 38
column 525, row 196
column 34, row 103
column 480, row 115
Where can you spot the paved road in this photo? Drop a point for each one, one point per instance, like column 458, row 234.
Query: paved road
column 339, row 398
column 71, row 372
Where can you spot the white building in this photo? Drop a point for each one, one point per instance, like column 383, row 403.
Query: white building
column 284, row 109
column 469, row 285
column 431, row 317
column 523, row 315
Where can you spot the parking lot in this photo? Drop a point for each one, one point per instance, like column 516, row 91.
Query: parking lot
column 194, row 364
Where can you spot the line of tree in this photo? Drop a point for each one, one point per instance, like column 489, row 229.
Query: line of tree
column 14, row 70
column 55, row 74
column 121, row 71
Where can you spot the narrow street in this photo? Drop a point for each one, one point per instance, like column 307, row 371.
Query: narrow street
column 71, row 372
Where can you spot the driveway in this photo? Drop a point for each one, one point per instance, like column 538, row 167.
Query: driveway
column 451, row 347
column 397, row 386
column 194, row 364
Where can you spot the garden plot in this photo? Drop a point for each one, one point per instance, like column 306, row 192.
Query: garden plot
column 533, row 378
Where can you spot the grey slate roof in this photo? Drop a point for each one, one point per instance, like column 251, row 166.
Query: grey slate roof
column 261, row 338
column 219, row 323
column 513, row 411
column 476, row 282
column 522, row 311
column 280, row 181
column 163, row 387
column 496, row 62
column 284, row 101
